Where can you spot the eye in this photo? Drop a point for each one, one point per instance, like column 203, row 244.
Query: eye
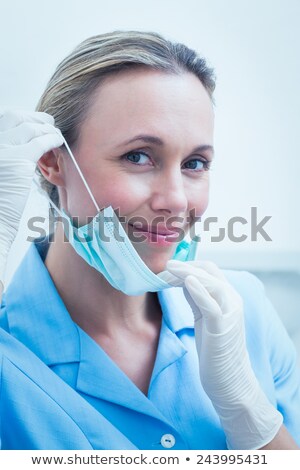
column 197, row 165
column 138, row 158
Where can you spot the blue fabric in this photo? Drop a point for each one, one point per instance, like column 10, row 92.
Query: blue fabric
column 60, row 390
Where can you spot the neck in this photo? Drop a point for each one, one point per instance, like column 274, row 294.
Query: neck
column 96, row 306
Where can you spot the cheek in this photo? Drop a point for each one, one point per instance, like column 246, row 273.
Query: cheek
column 122, row 192
column 198, row 199
column 109, row 187
column 75, row 197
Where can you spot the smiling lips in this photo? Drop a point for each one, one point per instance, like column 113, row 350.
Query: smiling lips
column 160, row 235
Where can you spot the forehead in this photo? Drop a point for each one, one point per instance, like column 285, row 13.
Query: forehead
column 150, row 101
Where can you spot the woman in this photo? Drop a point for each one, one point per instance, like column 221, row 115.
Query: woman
column 98, row 349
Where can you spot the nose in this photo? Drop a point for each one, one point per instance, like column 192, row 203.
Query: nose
column 169, row 193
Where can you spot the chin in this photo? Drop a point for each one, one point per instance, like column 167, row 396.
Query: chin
column 157, row 269
column 156, row 257
column 157, row 263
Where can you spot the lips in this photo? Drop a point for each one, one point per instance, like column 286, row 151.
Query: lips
column 156, row 236
column 159, row 231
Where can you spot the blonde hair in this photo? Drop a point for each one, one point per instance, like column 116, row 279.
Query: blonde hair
column 68, row 93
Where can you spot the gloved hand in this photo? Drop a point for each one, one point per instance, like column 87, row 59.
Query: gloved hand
column 24, row 138
column 247, row 417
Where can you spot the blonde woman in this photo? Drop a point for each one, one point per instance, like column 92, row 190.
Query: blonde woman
column 113, row 334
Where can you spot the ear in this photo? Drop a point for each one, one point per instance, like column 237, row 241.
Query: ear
column 51, row 167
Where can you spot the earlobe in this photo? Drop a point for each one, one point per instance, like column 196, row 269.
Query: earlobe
column 50, row 165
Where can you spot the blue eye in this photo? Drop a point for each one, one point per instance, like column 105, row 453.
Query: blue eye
column 197, row 165
column 138, row 158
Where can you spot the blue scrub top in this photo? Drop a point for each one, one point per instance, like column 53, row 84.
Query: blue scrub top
column 60, row 390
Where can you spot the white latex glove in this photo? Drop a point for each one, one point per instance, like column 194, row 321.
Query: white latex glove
column 247, row 417
column 24, row 138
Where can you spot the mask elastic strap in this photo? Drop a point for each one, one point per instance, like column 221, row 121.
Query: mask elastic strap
column 80, row 172
column 192, row 254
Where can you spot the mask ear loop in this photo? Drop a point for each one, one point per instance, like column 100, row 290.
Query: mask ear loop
column 79, row 171
column 192, row 254
column 80, row 174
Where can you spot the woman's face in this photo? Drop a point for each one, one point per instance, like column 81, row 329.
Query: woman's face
column 157, row 183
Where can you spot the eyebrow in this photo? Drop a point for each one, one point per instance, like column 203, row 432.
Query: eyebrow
column 151, row 139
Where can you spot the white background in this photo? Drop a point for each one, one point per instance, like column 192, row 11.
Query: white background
column 254, row 47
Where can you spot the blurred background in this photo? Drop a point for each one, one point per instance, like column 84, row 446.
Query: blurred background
column 254, row 48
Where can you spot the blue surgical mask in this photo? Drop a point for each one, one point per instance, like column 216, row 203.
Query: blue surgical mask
column 104, row 245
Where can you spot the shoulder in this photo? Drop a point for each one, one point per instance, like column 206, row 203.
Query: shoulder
column 257, row 307
column 264, row 327
column 244, row 282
